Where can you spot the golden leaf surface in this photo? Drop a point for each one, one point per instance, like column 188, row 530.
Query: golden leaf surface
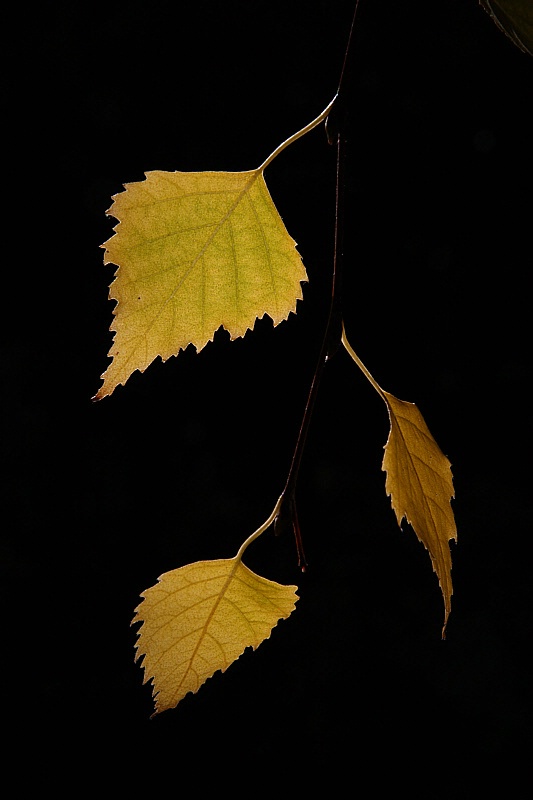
column 199, row 619
column 195, row 251
column 419, row 482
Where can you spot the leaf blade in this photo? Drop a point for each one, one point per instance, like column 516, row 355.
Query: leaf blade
column 195, row 251
column 514, row 18
column 199, row 619
column 420, row 484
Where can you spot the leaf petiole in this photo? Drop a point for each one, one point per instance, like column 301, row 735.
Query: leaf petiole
column 321, row 117
column 261, row 529
column 360, row 364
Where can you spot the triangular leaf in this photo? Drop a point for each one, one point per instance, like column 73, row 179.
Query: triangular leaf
column 195, row 251
column 199, row 619
column 419, row 482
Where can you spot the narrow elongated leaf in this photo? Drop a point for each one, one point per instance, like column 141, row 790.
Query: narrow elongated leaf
column 199, row 619
column 419, row 482
column 195, row 251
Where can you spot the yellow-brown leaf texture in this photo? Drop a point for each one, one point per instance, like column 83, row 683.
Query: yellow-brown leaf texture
column 419, row 482
column 199, row 619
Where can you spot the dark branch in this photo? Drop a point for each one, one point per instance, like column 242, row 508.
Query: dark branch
column 336, row 129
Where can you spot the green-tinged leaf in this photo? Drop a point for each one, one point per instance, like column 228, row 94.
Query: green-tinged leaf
column 515, row 19
column 419, row 482
column 199, row 619
column 195, row 251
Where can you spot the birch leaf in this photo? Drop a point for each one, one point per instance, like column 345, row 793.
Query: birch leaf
column 199, row 619
column 419, row 482
column 195, row 251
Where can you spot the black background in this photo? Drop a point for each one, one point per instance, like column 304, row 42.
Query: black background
column 356, row 689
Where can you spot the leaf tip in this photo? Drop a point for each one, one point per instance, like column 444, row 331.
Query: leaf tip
column 99, row 395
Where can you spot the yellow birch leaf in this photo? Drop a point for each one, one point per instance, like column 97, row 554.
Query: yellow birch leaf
column 199, row 619
column 195, row 251
column 419, row 482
